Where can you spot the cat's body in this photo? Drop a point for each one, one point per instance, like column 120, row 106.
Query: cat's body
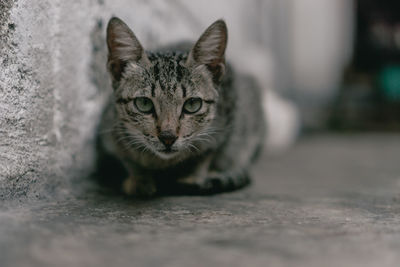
column 180, row 121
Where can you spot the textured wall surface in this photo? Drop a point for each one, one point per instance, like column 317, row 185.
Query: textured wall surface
column 53, row 80
column 48, row 102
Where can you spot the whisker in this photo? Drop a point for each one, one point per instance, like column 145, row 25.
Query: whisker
column 194, row 147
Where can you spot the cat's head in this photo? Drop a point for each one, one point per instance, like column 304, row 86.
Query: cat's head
column 166, row 102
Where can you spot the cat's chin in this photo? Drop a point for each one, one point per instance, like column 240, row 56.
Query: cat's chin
column 167, row 154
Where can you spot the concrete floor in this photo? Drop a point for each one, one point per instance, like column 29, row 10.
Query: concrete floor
column 332, row 200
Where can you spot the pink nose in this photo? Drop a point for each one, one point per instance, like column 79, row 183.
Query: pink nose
column 168, row 138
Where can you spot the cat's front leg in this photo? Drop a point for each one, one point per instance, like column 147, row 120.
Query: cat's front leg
column 139, row 186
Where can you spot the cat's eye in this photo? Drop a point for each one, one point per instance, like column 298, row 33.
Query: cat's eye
column 192, row 105
column 144, row 104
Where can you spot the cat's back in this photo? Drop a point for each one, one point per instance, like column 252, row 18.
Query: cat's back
column 240, row 101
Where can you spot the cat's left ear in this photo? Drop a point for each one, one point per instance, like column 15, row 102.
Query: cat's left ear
column 209, row 50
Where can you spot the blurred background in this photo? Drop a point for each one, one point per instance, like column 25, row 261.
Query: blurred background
column 338, row 62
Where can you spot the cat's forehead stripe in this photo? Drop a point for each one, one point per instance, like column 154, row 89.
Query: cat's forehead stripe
column 167, row 70
column 183, row 90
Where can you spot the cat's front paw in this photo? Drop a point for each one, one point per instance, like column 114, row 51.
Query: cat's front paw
column 133, row 187
column 224, row 182
column 206, row 186
column 217, row 184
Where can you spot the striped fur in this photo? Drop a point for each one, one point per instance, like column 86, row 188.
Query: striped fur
column 214, row 146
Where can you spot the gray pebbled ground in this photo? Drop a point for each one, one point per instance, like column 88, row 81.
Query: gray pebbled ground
column 332, row 200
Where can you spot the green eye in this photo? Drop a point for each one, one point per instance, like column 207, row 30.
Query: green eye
column 144, row 104
column 192, row 105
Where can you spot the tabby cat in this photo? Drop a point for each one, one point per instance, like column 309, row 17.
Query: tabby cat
column 180, row 122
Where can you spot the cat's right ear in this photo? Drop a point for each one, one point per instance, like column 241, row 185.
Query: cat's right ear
column 209, row 50
column 123, row 47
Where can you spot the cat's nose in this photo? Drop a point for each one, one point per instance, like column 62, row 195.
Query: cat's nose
column 168, row 138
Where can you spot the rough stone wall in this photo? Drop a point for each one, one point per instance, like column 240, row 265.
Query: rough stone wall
column 53, row 81
column 48, row 103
